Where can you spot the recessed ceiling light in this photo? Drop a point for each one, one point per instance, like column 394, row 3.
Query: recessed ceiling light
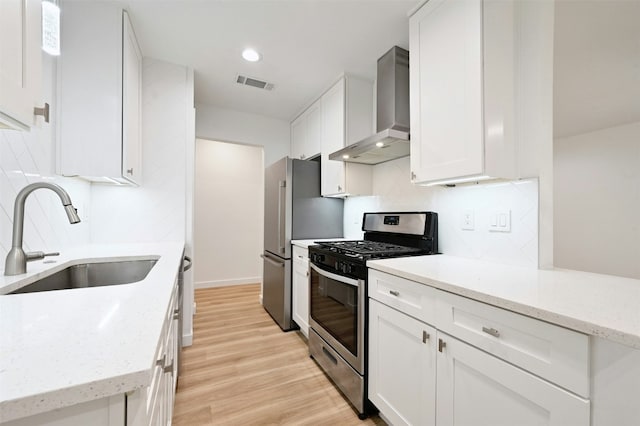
column 251, row 55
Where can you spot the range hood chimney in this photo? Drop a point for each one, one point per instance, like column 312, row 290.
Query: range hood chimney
column 392, row 138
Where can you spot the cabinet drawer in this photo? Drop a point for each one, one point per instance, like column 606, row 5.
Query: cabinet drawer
column 300, row 254
column 414, row 299
column 549, row 351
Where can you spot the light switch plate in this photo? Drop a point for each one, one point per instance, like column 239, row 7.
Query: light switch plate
column 468, row 220
column 500, row 221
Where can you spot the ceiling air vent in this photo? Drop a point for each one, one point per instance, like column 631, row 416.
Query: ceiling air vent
column 253, row 82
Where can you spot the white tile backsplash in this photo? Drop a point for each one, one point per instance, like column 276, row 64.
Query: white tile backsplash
column 27, row 157
column 394, row 192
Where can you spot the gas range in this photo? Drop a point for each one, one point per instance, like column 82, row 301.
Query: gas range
column 386, row 235
column 365, row 250
column 338, row 293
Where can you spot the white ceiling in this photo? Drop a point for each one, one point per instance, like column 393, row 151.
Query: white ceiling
column 596, row 65
column 305, row 44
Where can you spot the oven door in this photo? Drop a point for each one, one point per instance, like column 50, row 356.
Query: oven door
column 337, row 313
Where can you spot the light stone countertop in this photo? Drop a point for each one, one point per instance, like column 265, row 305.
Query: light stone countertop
column 600, row 305
column 59, row 348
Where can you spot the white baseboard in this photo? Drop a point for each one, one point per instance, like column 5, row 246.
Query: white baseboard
column 224, row 283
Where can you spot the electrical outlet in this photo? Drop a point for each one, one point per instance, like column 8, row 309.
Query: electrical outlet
column 468, row 220
column 500, row 221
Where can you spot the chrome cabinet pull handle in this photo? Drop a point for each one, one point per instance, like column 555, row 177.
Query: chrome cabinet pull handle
column 160, row 362
column 441, row 345
column 492, row 331
column 394, row 293
column 44, row 112
column 425, row 336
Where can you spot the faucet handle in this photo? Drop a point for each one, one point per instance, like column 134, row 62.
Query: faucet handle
column 37, row 255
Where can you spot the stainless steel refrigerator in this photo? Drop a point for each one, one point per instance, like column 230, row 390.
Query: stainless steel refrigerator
column 293, row 210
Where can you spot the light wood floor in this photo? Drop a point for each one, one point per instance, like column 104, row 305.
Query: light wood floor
column 243, row 370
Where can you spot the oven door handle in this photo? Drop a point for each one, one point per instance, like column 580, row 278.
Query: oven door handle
column 335, row 277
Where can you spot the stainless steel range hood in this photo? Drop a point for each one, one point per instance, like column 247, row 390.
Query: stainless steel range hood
column 392, row 138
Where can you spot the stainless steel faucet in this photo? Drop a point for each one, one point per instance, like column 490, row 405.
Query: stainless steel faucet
column 16, row 262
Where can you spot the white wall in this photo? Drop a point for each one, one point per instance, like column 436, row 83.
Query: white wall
column 229, row 200
column 225, row 125
column 597, row 201
column 27, row 157
column 394, row 192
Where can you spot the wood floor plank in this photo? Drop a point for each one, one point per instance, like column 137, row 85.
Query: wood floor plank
column 243, row 370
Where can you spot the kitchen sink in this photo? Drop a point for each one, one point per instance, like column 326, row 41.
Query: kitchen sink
column 92, row 275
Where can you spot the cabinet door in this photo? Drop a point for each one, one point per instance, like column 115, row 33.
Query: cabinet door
column 402, row 366
column 20, row 61
column 475, row 388
column 306, row 133
column 313, row 140
column 445, row 39
column 99, row 88
column 300, row 294
column 131, row 104
column 298, row 136
column 333, row 116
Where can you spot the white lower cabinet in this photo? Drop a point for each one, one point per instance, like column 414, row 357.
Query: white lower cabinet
column 420, row 375
column 153, row 405
column 402, row 366
column 475, row 388
column 300, row 289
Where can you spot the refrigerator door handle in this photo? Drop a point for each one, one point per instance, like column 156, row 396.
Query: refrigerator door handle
column 281, row 189
column 272, row 261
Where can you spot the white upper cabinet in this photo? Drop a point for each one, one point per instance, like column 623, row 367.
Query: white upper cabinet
column 100, row 74
column 469, row 76
column 131, row 105
column 20, row 62
column 306, row 133
column 347, row 117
